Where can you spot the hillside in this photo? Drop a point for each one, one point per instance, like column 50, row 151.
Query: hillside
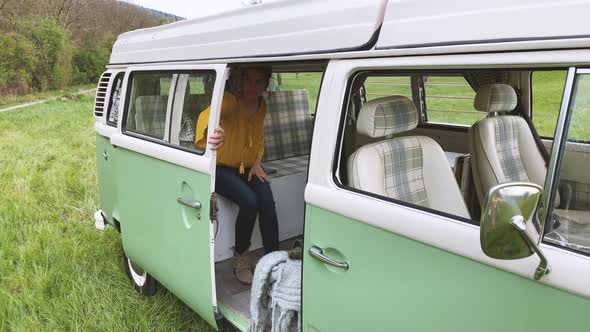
column 51, row 44
column 166, row 16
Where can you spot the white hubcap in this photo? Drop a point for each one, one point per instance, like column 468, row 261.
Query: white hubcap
column 138, row 278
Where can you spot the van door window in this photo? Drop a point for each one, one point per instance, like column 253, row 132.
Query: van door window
column 166, row 106
column 569, row 224
column 547, row 89
column 193, row 95
column 148, row 104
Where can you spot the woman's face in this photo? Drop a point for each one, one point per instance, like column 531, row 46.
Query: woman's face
column 253, row 84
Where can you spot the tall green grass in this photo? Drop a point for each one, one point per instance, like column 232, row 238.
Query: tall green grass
column 57, row 273
column 7, row 101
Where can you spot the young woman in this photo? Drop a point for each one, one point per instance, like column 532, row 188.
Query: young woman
column 239, row 142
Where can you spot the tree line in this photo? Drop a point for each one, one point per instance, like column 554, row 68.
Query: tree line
column 51, row 44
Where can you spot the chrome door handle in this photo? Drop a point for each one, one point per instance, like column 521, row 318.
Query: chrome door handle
column 318, row 253
column 192, row 204
column 105, row 155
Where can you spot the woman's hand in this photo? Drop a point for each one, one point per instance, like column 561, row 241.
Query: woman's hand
column 257, row 171
column 216, row 140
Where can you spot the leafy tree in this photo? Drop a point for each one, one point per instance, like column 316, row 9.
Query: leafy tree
column 89, row 62
column 49, row 40
column 17, row 63
column 48, row 44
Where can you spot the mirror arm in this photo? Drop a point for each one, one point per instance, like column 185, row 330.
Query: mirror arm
column 543, row 268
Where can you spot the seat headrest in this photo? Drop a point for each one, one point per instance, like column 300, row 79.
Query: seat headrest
column 388, row 115
column 495, row 98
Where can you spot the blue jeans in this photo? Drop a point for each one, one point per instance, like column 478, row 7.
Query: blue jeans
column 253, row 198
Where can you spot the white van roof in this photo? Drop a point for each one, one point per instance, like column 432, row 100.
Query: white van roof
column 412, row 24
column 270, row 29
column 374, row 27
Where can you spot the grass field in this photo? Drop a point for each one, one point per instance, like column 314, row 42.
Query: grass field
column 56, row 271
column 7, row 101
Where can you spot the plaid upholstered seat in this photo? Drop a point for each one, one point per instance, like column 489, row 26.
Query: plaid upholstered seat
column 150, row 115
column 503, row 150
column 288, row 125
column 281, row 167
column 288, row 128
column 412, row 169
column 502, row 146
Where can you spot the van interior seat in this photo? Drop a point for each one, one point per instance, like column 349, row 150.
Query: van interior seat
column 288, row 128
column 150, row 115
column 503, row 148
column 413, row 169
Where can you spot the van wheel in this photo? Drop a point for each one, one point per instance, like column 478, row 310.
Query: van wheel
column 143, row 283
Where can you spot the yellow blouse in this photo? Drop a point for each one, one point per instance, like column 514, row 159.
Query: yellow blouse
column 244, row 133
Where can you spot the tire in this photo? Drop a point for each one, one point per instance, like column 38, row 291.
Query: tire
column 143, row 283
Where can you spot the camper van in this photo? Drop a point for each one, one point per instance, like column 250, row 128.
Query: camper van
column 432, row 156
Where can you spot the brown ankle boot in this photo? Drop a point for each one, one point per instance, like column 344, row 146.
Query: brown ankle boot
column 241, row 265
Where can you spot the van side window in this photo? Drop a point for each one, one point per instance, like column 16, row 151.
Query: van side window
column 148, row 104
column 449, row 100
column 547, row 90
column 115, row 100
column 384, row 154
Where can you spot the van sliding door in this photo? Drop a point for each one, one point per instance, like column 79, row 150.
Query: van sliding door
column 165, row 181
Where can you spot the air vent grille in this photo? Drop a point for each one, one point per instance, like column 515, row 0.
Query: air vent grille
column 101, row 95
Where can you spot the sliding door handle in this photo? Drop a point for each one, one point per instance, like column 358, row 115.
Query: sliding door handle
column 318, row 253
column 192, row 204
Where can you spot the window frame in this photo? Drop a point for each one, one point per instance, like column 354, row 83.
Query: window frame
column 557, row 155
column 169, row 107
column 109, row 107
column 338, row 156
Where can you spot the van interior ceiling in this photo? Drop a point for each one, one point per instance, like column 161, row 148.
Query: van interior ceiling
column 291, row 100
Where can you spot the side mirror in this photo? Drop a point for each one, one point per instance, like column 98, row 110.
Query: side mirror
column 512, row 223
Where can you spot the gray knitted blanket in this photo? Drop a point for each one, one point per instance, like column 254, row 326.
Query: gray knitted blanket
column 276, row 294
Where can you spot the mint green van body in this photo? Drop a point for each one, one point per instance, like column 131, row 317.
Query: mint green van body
column 371, row 262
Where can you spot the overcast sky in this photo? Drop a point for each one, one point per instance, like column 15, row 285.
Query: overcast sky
column 190, row 8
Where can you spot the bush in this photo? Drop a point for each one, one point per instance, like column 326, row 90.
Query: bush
column 62, row 73
column 89, row 61
column 89, row 64
column 17, row 64
column 49, row 40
